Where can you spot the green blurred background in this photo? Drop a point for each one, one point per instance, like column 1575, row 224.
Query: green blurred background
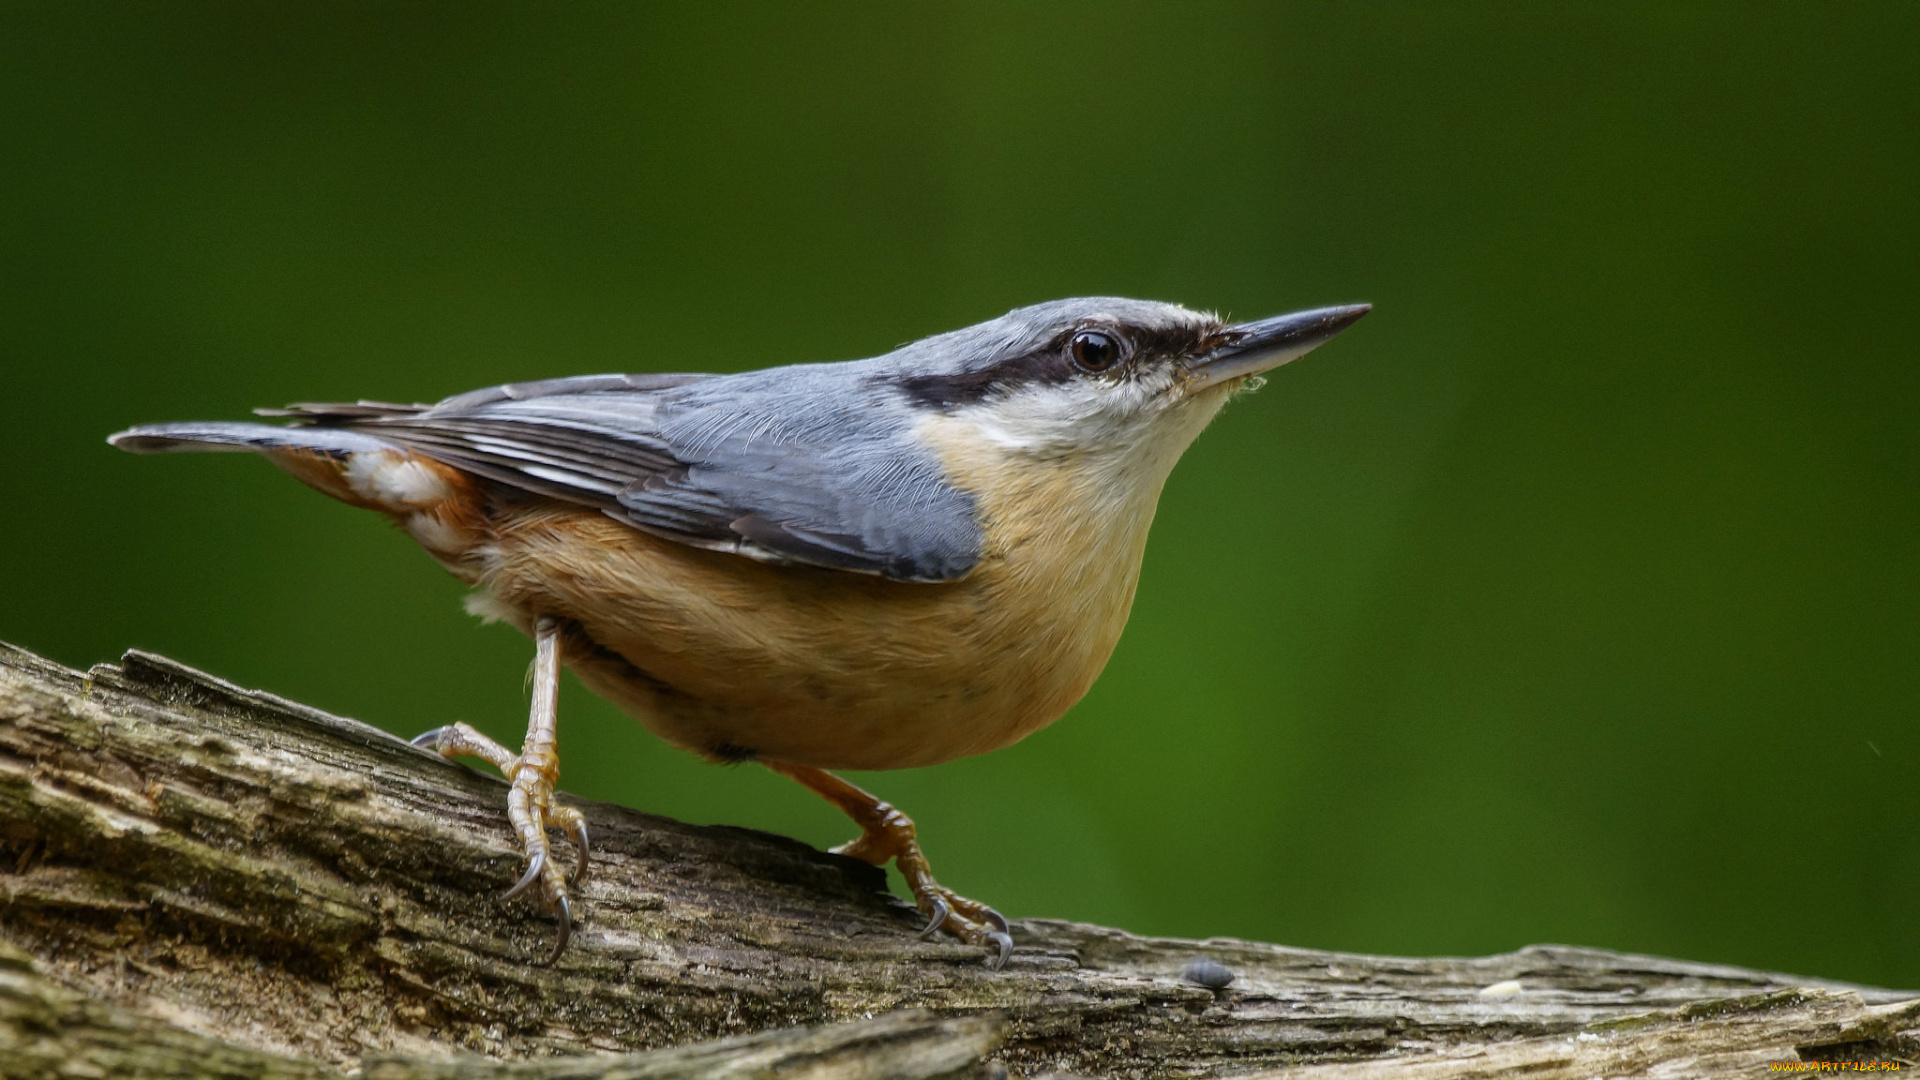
column 1573, row 596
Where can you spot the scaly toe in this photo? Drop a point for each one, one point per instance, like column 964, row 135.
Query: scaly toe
column 574, row 824
column 579, row 834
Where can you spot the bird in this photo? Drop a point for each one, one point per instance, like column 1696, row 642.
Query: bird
column 871, row 564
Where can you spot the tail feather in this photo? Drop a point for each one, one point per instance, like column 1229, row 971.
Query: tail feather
column 433, row 501
column 217, row 436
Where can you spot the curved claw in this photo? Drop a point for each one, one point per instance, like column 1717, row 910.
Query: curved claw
column 998, row 920
column 565, row 915
column 1002, row 941
column 940, row 913
column 534, row 866
column 429, row 739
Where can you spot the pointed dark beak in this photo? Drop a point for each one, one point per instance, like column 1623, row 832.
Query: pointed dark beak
column 1254, row 347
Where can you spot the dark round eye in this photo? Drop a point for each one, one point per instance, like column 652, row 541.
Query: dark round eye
column 1094, row 351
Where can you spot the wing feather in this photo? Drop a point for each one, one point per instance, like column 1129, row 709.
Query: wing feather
column 786, row 465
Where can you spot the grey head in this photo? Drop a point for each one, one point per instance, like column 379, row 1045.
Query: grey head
column 828, row 465
column 1096, row 375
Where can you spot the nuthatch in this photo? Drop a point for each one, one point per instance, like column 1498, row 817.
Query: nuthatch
column 876, row 564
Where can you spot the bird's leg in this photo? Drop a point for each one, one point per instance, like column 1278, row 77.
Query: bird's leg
column 887, row 834
column 532, row 773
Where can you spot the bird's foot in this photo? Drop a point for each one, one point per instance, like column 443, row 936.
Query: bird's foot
column 531, row 811
column 970, row 920
column 890, row 835
column 887, row 834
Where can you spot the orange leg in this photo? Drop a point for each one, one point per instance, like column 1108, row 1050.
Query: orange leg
column 533, row 772
column 887, row 834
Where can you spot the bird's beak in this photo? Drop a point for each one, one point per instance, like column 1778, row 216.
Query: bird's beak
column 1253, row 347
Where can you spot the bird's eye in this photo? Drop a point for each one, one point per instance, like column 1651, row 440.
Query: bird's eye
column 1094, row 351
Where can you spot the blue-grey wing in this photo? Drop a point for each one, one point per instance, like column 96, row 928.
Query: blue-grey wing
column 813, row 465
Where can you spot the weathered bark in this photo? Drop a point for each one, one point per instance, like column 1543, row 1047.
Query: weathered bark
column 203, row 880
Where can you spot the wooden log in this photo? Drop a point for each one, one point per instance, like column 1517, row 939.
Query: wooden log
column 200, row 877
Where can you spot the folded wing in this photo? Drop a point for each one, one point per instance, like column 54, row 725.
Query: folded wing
column 813, row 465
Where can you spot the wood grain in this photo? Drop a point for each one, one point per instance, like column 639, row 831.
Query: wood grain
column 196, row 876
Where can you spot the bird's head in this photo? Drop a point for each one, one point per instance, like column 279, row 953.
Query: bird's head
column 1095, row 380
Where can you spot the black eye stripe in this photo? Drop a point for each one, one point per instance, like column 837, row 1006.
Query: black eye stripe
column 1050, row 364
